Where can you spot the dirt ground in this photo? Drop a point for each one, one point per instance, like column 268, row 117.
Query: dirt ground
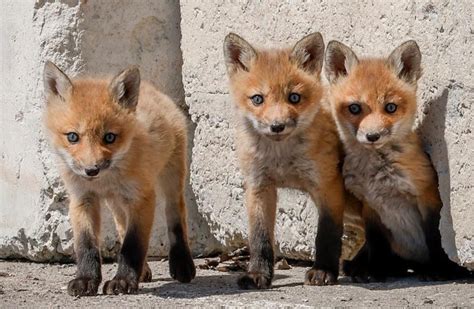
column 39, row 285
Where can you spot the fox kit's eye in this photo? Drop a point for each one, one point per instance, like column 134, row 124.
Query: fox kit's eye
column 390, row 108
column 355, row 109
column 257, row 99
column 109, row 138
column 72, row 137
column 294, row 98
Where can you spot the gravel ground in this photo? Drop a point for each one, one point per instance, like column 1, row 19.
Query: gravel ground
column 42, row 285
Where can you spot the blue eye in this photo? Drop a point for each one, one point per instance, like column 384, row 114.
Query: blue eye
column 109, row 138
column 257, row 99
column 355, row 109
column 390, row 108
column 72, row 137
column 294, row 98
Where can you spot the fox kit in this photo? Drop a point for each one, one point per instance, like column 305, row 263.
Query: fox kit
column 374, row 104
column 118, row 142
column 285, row 138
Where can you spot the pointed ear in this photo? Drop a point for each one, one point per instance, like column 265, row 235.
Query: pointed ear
column 56, row 83
column 405, row 61
column 308, row 53
column 125, row 87
column 238, row 53
column 340, row 60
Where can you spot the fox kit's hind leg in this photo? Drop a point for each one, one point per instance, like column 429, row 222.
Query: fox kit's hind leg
column 132, row 256
column 261, row 208
column 439, row 267
column 85, row 219
column 330, row 198
column 120, row 217
column 376, row 260
column 172, row 181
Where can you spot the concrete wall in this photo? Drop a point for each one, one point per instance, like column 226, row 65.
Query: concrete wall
column 104, row 36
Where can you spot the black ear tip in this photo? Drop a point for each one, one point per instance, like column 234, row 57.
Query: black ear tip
column 135, row 70
column 335, row 44
column 317, row 35
column 411, row 47
column 411, row 43
column 49, row 65
column 232, row 38
column 131, row 73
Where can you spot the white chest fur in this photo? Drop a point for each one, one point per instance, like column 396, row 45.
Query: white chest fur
column 374, row 177
column 112, row 185
column 284, row 163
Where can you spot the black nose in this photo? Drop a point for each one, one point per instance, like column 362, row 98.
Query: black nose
column 372, row 137
column 92, row 171
column 277, row 127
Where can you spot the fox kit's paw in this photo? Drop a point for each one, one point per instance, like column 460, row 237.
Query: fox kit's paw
column 120, row 285
column 146, row 274
column 357, row 270
column 255, row 280
column 181, row 264
column 316, row 276
column 83, row 287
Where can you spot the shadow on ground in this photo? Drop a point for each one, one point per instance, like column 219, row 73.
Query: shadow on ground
column 214, row 285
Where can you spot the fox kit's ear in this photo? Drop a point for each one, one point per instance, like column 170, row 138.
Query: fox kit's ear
column 125, row 87
column 340, row 60
column 238, row 53
column 405, row 61
column 309, row 53
column 56, row 83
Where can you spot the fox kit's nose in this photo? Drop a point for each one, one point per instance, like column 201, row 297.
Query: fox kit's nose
column 277, row 127
column 372, row 137
column 92, row 171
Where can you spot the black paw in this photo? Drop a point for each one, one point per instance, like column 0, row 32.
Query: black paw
column 181, row 264
column 146, row 274
column 433, row 274
column 120, row 285
column 255, row 281
column 356, row 270
column 316, row 276
column 83, row 287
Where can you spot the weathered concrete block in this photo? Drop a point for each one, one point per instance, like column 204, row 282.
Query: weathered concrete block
column 444, row 33
column 80, row 36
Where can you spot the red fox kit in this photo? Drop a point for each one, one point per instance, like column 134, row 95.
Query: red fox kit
column 118, row 142
column 286, row 137
column 374, row 105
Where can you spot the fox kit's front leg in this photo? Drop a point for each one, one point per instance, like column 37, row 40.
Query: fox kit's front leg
column 118, row 208
column 261, row 208
column 172, row 185
column 132, row 256
column 84, row 213
column 330, row 198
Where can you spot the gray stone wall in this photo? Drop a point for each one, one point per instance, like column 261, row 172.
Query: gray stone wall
column 179, row 48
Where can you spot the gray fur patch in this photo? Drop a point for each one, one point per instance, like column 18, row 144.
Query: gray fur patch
column 371, row 175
